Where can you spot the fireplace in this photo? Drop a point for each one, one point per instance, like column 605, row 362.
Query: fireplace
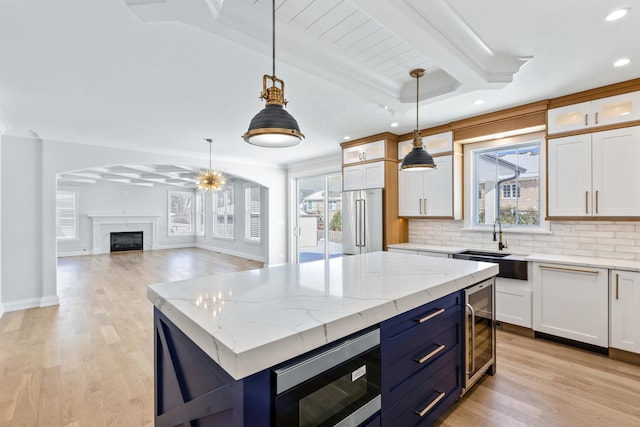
column 126, row 241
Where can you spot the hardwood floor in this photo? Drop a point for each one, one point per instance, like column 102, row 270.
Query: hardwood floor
column 89, row 361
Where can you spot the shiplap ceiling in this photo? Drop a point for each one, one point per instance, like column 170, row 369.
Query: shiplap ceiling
column 162, row 75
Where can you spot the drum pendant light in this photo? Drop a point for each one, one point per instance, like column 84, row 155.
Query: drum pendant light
column 273, row 126
column 417, row 159
column 209, row 180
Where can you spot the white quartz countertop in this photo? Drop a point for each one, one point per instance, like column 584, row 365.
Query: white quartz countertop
column 252, row 320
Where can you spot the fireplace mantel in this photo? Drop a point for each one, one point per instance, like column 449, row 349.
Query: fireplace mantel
column 103, row 225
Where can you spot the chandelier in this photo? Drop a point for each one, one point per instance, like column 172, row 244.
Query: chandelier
column 210, row 180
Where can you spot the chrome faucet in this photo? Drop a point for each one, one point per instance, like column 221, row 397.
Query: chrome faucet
column 501, row 245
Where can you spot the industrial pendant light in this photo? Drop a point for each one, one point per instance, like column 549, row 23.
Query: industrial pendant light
column 273, row 126
column 417, row 159
column 210, row 180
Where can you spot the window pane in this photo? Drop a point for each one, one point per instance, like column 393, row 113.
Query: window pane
column 507, row 180
column 252, row 209
column 180, row 212
column 224, row 210
column 66, row 213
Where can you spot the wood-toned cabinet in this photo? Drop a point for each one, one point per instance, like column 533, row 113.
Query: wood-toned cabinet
column 571, row 302
column 372, row 163
column 600, row 112
column 593, row 175
column 624, row 298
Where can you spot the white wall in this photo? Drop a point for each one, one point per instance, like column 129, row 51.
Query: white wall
column 28, row 179
column 108, row 198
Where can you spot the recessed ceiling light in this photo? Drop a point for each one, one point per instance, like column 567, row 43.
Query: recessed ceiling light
column 622, row 62
column 346, row 137
column 394, row 124
column 478, row 102
column 616, row 14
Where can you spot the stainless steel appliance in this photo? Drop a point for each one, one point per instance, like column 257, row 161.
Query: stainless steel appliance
column 338, row 387
column 362, row 221
column 480, row 332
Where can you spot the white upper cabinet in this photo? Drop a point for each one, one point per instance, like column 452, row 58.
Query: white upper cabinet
column 428, row 193
column 362, row 153
column 601, row 112
column 595, row 175
column 434, row 144
column 364, row 176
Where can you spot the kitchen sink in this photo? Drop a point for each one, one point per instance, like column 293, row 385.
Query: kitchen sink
column 509, row 268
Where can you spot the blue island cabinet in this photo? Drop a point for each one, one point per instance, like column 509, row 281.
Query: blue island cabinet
column 421, row 362
column 420, row 374
column 192, row 390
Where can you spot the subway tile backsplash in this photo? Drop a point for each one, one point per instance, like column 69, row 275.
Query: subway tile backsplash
column 603, row 239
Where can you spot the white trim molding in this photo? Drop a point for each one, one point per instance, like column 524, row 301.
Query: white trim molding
column 27, row 303
column 229, row 252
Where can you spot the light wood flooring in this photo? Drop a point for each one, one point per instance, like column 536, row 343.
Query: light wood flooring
column 89, row 361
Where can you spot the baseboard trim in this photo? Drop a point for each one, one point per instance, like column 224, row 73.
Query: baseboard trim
column 515, row 329
column 228, row 252
column 174, row 246
column 1, row 310
column 624, row 356
column 77, row 253
column 573, row 343
column 27, row 303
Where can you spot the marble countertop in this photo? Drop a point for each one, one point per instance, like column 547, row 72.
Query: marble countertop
column 252, row 320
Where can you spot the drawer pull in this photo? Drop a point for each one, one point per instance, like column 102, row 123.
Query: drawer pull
column 431, row 405
column 430, row 355
column 617, row 286
column 577, row 270
column 431, row 316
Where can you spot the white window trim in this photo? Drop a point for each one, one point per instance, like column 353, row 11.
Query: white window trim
column 75, row 236
column 179, row 234
column 247, row 215
column 545, row 226
column 201, row 205
column 214, row 206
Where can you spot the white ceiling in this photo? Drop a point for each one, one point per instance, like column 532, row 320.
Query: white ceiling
column 165, row 74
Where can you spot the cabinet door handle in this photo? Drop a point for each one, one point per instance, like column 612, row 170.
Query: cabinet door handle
column 577, row 270
column 425, row 206
column 596, row 118
column 420, row 205
column 586, row 120
column 586, row 201
column 597, row 201
column 471, row 344
column 431, row 316
column 430, row 355
column 435, row 401
column 617, row 286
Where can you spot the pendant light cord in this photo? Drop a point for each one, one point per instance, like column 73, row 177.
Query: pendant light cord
column 273, row 34
column 417, row 96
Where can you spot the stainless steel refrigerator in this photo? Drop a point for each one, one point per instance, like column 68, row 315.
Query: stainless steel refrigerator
column 361, row 221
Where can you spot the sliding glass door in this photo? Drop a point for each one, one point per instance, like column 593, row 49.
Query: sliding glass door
column 318, row 227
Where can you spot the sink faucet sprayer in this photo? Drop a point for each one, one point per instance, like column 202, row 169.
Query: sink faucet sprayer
column 501, row 245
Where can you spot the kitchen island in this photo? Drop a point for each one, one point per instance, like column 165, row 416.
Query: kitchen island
column 218, row 337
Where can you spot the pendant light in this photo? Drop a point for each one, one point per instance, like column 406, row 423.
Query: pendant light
column 273, row 126
column 210, row 180
column 417, row 159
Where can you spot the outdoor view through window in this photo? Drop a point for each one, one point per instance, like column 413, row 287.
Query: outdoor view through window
column 507, row 181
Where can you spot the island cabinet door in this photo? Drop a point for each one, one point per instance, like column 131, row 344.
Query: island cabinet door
column 193, row 390
column 421, row 362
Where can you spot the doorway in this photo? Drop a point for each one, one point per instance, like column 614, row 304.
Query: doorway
column 318, row 227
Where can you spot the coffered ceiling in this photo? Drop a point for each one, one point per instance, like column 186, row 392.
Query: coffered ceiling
column 163, row 75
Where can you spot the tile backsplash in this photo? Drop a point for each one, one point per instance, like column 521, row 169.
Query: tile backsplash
column 603, row 239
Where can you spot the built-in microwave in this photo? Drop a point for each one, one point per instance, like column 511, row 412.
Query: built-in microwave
column 340, row 386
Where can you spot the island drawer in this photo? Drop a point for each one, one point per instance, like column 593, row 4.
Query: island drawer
column 413, row 322
column 414, row 357
column 427, row 396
